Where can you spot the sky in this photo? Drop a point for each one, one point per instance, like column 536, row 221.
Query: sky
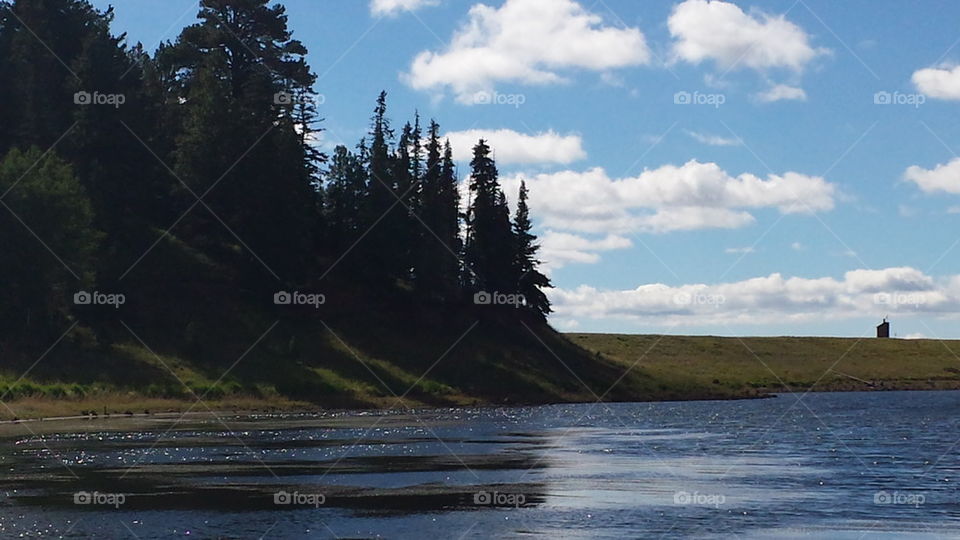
column 695, row 167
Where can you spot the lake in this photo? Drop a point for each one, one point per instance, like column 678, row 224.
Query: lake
column 835, row 465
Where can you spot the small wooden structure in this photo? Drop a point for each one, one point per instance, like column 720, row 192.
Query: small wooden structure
column 883, row 329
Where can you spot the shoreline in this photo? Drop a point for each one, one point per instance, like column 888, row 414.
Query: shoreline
column 38, row 426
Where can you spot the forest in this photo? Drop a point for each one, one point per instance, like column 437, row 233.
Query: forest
column 174, row 206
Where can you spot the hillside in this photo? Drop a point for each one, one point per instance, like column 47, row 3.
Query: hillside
column 781, row 364
column 364, row 357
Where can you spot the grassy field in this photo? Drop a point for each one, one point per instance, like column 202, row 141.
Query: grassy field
column 348, row 366
column 782, row 364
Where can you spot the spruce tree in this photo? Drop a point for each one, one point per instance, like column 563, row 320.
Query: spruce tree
column 439, row 264
column 382, row 254
column 490, row 243
column 530, row 281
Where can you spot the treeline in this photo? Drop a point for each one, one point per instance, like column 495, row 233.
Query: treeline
column 194, row 169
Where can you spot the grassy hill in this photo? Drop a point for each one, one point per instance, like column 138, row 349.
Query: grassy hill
column 239, row 351
column 366, row 354
column 781, row 364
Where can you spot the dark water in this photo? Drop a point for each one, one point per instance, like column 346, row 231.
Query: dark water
column 843, row 465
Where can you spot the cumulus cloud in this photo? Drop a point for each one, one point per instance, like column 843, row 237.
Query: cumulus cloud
column 559, row 249
column 782, row 92
column 943, row 177
column 527, row 42
column 670, row 198
column 512, row 147
column 720, row 31
column 940, row 83
column 714, row 140
column 895, row 291
column 394, row 7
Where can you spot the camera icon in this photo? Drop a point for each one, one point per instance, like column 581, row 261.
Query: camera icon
column 682, row 98
column 682, row 497
column 282, row 497
column 282, row 298
column 882, row 98
column 882, row 299
column 283, row 98
column 82, row 497
column 482, row 497
column 483, row 298
column 82, row 298
column 82, row 98
column 882, row 497
column 683, row 299
column 482, row 98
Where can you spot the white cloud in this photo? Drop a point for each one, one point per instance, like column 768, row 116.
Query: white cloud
column 940, row 83
column 559, row 249
column 394, row 7
column 722, row 32
column 740, row 250
column 782, row 92
column 528, row 42
column 670, row 198
column 512, row 147
column 944, row 177
column 714, row 140
column 797, row 246
column 899, row 291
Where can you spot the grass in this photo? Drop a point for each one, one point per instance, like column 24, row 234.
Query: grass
column 344, row 366
column 783, row 364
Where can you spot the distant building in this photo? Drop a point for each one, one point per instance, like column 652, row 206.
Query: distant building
column 883, row 329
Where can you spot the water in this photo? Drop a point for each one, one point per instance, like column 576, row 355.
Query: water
column 841, row 465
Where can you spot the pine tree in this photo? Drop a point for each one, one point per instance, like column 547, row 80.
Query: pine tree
column 56, row 58
column 381, row 252
column 246, row 126
column 439, row 266
column 530, row 281
column 402, row 219
column 490, row 243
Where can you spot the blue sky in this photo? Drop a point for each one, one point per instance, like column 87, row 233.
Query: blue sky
column 787, row 202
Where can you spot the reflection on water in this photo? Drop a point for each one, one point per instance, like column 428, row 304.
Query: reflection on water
column 834, row 465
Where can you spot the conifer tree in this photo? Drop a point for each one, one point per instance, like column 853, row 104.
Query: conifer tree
column 246, row 89
column 439, row 265
column 490, row 243
column 530, row 281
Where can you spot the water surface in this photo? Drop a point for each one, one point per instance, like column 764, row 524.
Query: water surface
column 838, row 465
